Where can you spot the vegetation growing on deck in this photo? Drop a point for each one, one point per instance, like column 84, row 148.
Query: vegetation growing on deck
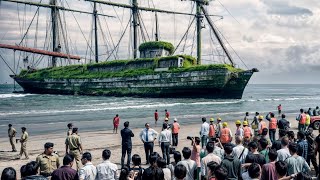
column 157, row 44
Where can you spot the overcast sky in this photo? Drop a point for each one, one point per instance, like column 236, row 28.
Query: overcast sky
column 279, row 37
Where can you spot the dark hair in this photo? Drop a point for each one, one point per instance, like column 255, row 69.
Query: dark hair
column 23, row 171
column 197, row 140
column 30, row 169
column 210, row 147
column 180, row 171
column 273, row 154
column 272, row 115
column 293, row 147
column 164, row 125
column 24, row 128
column 87, row 156
column 221, row 173
column 161, row 162
column 228, row 148
column 69, row 125
column 257, row 113
column 74, row 129
column 303, row 176
column 126, row 124
column 177, row 156
column 204, row 119
column 301, row 135
column 106, row 154
column 253, row 145
column 124, row 173
column 301, row 110
column 264, row 131
column 254, row 170
column 153, row 157
column 136, row 160
column 283, row 116
column 263, row 143
column 281, row 167
column 285, row 141
column 10, row 125
column 117, row 115
column 186, row 152
column 212, row 166
column 290, row 134
column 247, row 113
column 153, row 173
column 282, row 133
column 68, row 158
column 9, row 174
column 48, row 145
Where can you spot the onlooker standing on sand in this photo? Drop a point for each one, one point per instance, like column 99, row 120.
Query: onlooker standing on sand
column 136, row 168
column 255, row 123
column 107, row 170
column 126, row 135
column 175, row 131
column 30, row 171
column 311, row 149
column 308, row 119
column 161, row 163
column 204, row 132
column 309, row 111
column 180, row 172
column 23, row 140
column 74, row 146
column 281, row 169
column 88, row 171
column 240, row 151
column 195, row 154
column 261, row 125
column 272, row 127
column 264, row 148
column 302, row 120
column 239, row 130
column 9, row 174
column 283, row 124
column 167, row 114
column 212, row 132
column 269, row 169
column 255, row 156
column 302, row 145
column 277, row 143
column 246, row 117
column 189, row 164
column 65, row 172
column 284, row 153
column 165, row 139
column 210, row 157
column 48, row 161
column 247, row 134
column 12, row 134
column 153, row 171
column 166, row 121
column 156, row 116
column 116, row 121
column 279, row 109
column 148, row 136
column 218, row 127
column 231, row 163
column 316, row 111
column 69, row 132
column 172, row 165
column 296, row 163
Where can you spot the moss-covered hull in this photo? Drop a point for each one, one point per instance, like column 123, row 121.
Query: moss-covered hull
column 216, row 83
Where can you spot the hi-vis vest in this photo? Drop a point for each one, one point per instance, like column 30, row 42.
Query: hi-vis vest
column 303, row 118
column 263, row 125
column 307, row 119
column 175, row 128
column 211, row 130
column 273, row 123
column 247, row 132
column 225, row 135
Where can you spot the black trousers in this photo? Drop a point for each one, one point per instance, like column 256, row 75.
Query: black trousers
column 174, row 139
column 272, row 135
column 165, row 151
column 312, row 158
column 126, row 150
column 148, row 149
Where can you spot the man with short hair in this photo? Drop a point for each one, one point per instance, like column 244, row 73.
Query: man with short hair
column 69, row 132
column 189, row 164
column 302, row 145
column 240, row 151
column 272, row 127
column 231, row 163
column 255, row 156
column 23, row 140
column 165, row 140
column 296, row 163
column 283, row 124
column 30, row 171
column 264, row 148
column 156, row 117
column 88, row 171
column 175, row 131
column 218, row 127
column 74, row 146
column 262, row 125
column 311, row 149
column 167, row 114
column 281, row 169
column 277, row 143
column 12, row 134
column 65, row 172
column 316, row 111
column 269, row 169
column 126, row 135
column 208, row 158
column 107, row 170
column 48, row 161
column 255, row 123
column 302, row 120
column 148, row 136
column 204, row 132
column 284, row 153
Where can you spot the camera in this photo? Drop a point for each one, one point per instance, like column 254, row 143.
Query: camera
column 189, row 137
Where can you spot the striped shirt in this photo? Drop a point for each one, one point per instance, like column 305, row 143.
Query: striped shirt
column 303, row 149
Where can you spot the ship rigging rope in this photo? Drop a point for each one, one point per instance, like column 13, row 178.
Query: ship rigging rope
column 143, row 27
column 184, row 35
column 7, row 64
column 120, row 37
column 193, row 39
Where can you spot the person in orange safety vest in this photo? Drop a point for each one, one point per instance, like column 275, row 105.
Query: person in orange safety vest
column 212, row 131
column 175, row 132
column 272, row 126
column 261, row 125
column 225, row 134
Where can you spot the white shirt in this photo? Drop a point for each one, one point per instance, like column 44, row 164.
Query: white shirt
column 204, row 129
column 283, row 154
column 88, row 172
column 152, row 134
column 165, row 136
column 236, row 152
column 239, row 132
column 190, row 166
column 167, row 174
column 107, row 170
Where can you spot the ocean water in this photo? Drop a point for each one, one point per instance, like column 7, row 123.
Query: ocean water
column 47, row 114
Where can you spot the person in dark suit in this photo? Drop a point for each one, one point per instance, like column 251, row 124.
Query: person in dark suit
column 126, row 135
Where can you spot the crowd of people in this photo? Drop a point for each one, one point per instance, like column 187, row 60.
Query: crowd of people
column 217, row 154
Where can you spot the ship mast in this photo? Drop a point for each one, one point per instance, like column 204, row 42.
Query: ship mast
column 54, row 18
column 95, row 31
column 135, row 27
column 157, row 28
column 199, row 17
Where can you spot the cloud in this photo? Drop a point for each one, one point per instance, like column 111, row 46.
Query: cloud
column 284, row 8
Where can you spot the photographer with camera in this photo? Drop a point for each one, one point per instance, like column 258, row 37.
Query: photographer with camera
column 195, row 153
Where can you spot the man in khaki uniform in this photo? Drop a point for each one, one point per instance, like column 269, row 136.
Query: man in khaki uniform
column 23, row 141
column 73, row 144
column 48, row 161
column 12, row 137
column 69, row 132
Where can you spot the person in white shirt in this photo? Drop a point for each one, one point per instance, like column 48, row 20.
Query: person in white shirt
column 107, row 170
column 148, row 136
column 240, row 151
column 165, row 140
column 204, row 132
column 283, row 153
column 88, row 171
column 190, row 165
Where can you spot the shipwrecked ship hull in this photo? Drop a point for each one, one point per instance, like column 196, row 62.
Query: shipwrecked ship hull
column 216, row 83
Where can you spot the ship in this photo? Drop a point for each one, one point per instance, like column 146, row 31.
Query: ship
column 157, row 72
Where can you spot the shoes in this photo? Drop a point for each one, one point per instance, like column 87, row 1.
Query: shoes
column 14, row 151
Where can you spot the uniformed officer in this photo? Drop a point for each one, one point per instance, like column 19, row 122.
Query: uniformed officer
column 23, row 141
column 48, row 161
column 69, row 132
column 12, row 136
column 74, row 146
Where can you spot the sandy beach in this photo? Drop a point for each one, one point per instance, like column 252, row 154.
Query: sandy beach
column 95, row 142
